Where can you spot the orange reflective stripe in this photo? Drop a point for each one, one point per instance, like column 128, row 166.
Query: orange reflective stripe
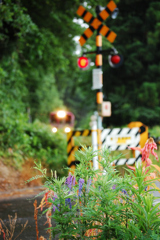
column 73, row 167
column 88, row 17
column 88, row 32
column 99, row 97
column 104, row 30
column 104, row 14
column 86, row 132
column 99, row 41
column 98, row 60
column 82, row 41
column 111, row 37
column 77, row 133
column 111, row 5
column 80, row 10
column 96, row 23
column 69, row 135
column 71, row 158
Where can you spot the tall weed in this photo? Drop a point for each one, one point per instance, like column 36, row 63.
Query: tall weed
column 100, row 204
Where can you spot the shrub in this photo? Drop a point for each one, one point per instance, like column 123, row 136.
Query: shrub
column 20, row 140
column 100, row 204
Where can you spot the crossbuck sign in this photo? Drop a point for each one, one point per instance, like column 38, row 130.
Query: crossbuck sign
column 96, row 23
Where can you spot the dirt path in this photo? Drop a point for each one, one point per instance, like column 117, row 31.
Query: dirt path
column 12, row 182
column 20, row 193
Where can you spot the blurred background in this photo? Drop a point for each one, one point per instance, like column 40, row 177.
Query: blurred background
column 39, row 75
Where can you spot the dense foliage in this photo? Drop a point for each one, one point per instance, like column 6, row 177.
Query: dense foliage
column 100, row 204
column 134, row 88
column 20, row 141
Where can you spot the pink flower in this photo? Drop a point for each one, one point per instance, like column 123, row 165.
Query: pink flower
column 149, row 147
column 132, row 168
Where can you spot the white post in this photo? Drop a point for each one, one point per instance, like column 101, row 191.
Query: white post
column 94, row 140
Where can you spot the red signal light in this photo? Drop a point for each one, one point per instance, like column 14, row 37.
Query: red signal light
column 83, row 62
column 115, row 60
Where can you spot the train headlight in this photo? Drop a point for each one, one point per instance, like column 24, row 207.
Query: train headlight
column 54, row 129
column 61, row 114
column 67, row 129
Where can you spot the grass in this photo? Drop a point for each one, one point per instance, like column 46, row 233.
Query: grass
column 155, row 131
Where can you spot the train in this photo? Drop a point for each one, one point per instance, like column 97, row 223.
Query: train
column 62, row 119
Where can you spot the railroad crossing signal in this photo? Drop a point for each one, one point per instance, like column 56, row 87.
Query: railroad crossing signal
column 115, row 60
column 83, row 62
column 96, row 23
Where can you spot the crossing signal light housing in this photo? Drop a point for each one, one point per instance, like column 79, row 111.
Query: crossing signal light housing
column 83, row 62
column 115, row 60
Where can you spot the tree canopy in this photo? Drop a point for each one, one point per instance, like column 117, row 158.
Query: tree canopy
column 38, row 61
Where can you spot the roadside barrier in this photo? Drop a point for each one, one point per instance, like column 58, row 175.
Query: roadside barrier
column 71, row 148
column 115, row 139
column 118, row 139
column 143, row 129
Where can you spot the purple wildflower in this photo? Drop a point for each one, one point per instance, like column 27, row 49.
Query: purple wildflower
column 73, row 180
column 81, row 182
column 124, row 191
column 88, row 185
column 68, row 202
column 54, row 208
column 114, row 186
column 70, row 181
column 55, row 196
column 58, row 207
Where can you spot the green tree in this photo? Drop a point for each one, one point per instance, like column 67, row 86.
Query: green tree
column 133, row 88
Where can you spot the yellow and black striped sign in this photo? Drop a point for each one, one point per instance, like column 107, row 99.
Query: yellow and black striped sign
column 71, row 148
column 96, row 23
